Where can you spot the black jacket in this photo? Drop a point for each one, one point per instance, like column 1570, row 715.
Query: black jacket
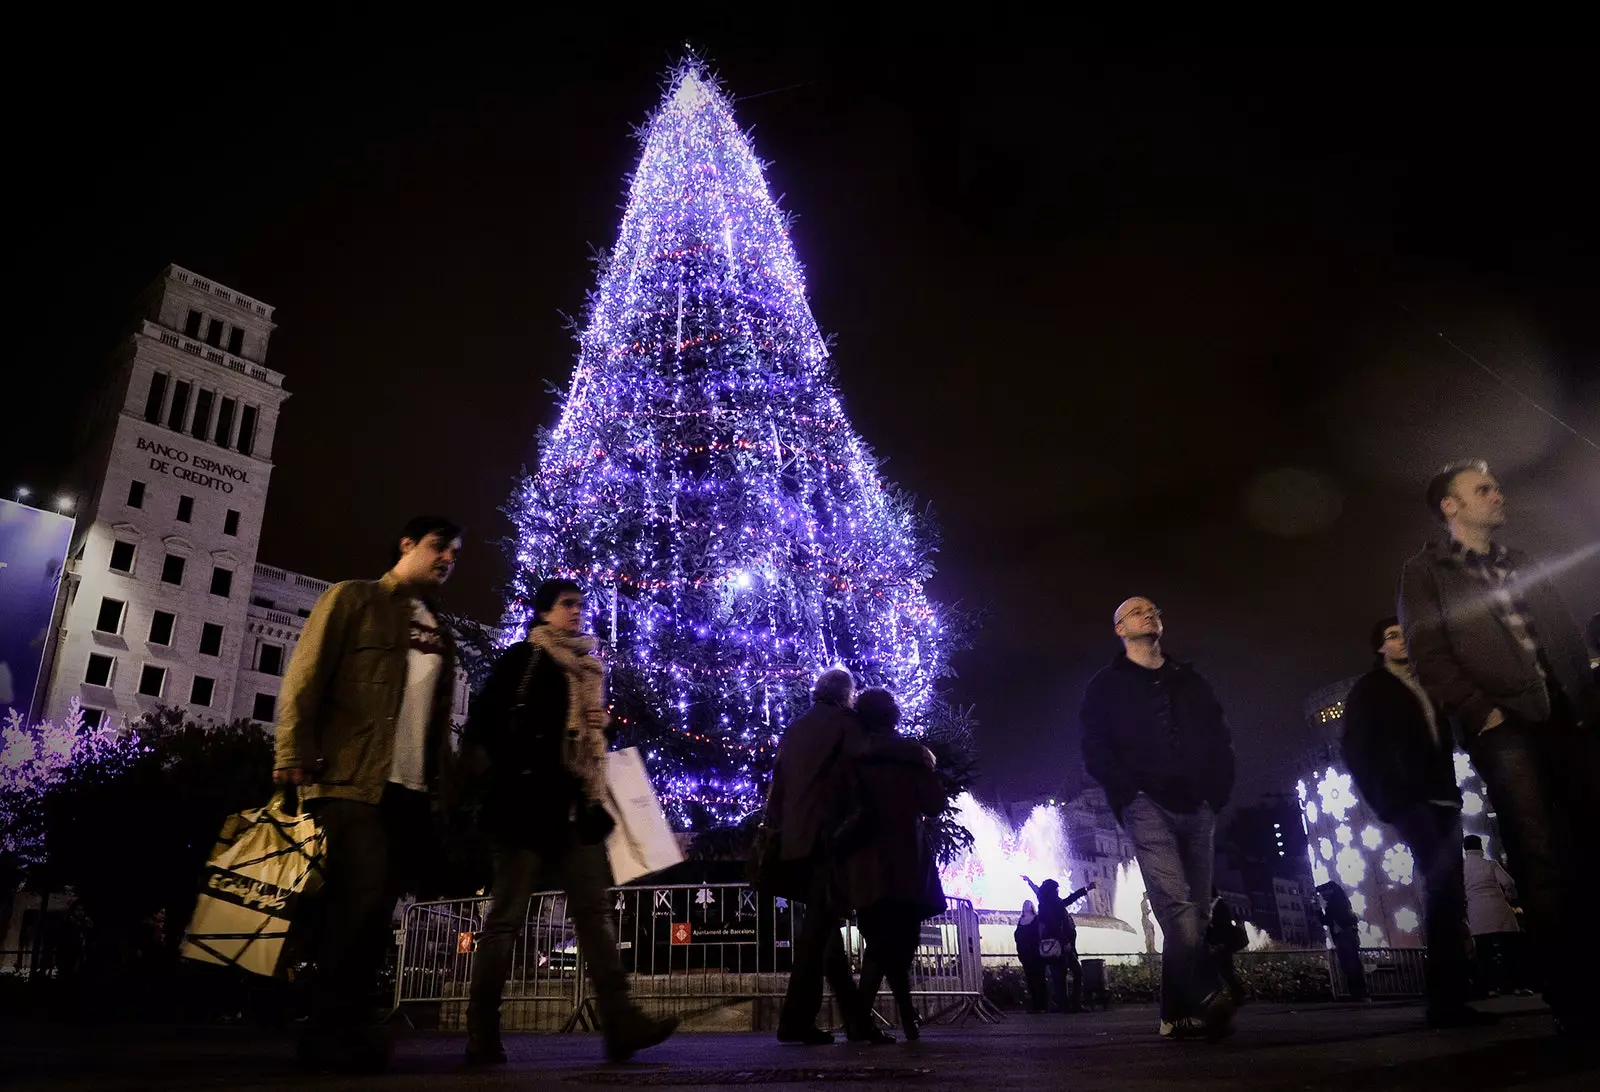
column 896, row 865
column 1391, row 754
column 1128, row 748
column 1470, row 662
column 531, row 792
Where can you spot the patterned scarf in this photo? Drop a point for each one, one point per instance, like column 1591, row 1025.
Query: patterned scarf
column 585, row 746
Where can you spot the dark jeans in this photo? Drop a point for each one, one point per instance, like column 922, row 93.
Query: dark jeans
column 1434, row 835
column 1038, row 992
column 1543, row 779
column 1347, row 950
column 1064, row 998
column 585, row 875
column 892, row 934
column 1500, row 961
column 1175, row 854
column 819, row 952
column 376, row 853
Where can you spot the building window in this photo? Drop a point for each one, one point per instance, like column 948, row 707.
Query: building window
column 99, row 672
column 271, row 660
column 157, row 396
column 230, row 523
column 110, row 618
column 200, row 690
column 152, row 680
column 185, row 509
column 214, row 333
column 266, row 706
column 161, row 623
column 303, row 612
column 235, row 340
column 172, row 570
column 122, row 556
column 202, row 414
column 247, row 430
column 180, row 406
column 211, row 639
column 263, row 601
column 136, row 494
column 191, row 325
column 92, row 717
column 224, row 422
column 221, row 581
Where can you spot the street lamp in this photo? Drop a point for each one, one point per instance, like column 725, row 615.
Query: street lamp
column 23, row 493
column 64, row 504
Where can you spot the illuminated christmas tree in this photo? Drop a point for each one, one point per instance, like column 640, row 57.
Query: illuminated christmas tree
column 704, row 485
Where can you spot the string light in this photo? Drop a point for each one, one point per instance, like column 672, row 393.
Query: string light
column 705, row 487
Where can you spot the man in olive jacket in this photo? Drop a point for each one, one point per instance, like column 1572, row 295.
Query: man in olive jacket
column 364, row 733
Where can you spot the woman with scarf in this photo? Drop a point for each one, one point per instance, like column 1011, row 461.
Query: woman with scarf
column 538, row 729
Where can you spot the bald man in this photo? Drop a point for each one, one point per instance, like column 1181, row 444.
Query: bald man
column 1155, row 739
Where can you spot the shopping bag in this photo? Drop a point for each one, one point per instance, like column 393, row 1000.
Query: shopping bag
column 265, row 861
column 641, row 842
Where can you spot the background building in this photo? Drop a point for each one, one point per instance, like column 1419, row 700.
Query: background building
column 163, row 601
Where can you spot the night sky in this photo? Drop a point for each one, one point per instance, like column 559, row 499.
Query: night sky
column 1132, row 323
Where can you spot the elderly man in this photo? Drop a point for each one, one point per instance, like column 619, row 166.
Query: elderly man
column 1155, row 739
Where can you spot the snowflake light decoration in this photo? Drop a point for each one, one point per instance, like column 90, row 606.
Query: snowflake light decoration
column 1372, row 837
column 1352, row 866
column 1471, row 804
column 1464, row 770
column 1406, row 920
column 1336, row 793
column 1399, row 864
column 1344, row 835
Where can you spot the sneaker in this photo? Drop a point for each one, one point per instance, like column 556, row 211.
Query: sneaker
column 636, row 1032
column 1185, row 1027
column 872, row 1035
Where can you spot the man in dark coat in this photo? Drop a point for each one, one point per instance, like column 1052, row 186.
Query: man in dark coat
column 1497, row 649
column 1155, row 739
column 1400, row 753
column 808, row 798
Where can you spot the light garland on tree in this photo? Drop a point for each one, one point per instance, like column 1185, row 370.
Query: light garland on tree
column 705, row 487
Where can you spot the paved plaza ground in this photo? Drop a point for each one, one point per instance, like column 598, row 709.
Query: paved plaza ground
column 1331, row 1046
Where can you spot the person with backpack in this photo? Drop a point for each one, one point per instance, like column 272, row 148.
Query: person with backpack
column 1058, row 943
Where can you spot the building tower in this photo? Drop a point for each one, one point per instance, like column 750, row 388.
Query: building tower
column 172, row 486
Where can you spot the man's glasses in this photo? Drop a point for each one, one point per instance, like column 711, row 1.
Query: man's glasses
column 1140, row 612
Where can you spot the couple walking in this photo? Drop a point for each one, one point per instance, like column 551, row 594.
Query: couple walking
column 847, row 811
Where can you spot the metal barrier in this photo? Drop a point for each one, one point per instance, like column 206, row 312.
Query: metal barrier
column 1390, row 972
column 721, row 952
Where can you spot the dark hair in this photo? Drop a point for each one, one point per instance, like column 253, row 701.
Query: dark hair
column 418, row 528
column 1440, row 484
column 1472, row 841
column 546, row 594
column 836, row 686
column 877, row 709
column 1375, row 638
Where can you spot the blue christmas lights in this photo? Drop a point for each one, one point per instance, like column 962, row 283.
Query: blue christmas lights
column 705, row 486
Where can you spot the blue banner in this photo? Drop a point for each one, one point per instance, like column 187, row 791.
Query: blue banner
column 33, row 551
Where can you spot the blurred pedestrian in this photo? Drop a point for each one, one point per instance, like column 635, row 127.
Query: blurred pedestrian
column 1496, row 932
column 1058, row 943
column 1033, row 965
column 538, row 729
column 893, row 880
column 1226, row 937
column 1345, row 930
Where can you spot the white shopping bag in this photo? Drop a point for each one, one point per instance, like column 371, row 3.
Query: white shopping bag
column 642, row 842
column 265, row 861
